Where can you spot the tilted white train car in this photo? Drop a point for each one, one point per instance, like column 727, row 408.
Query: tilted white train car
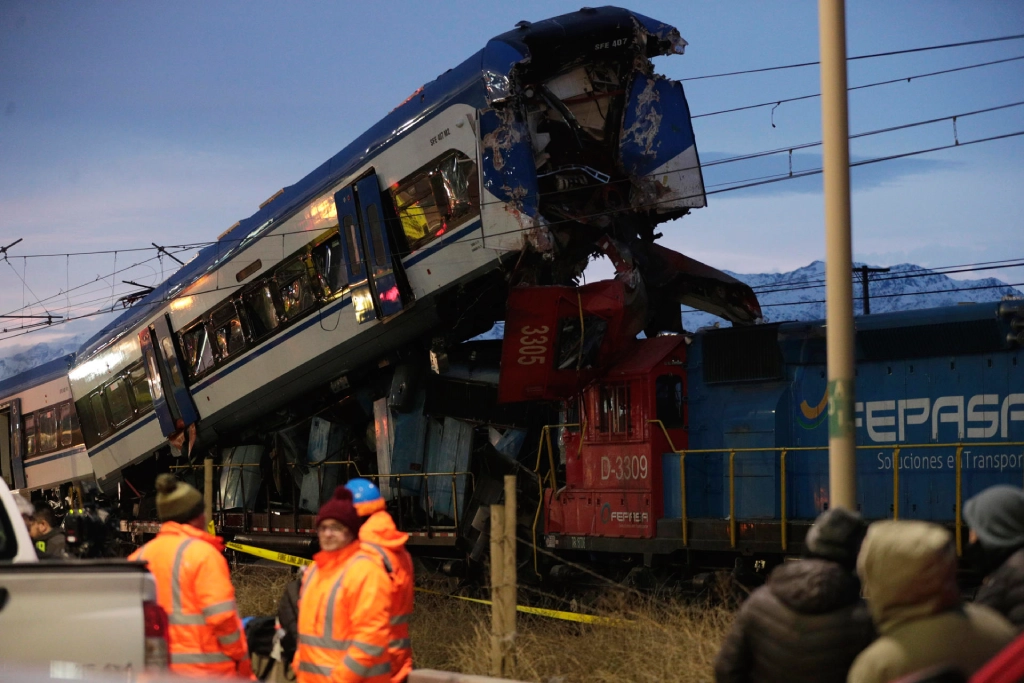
column 41, row 443
column 511, row 167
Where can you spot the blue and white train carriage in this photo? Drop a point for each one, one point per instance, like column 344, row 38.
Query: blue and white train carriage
column 41, row 444
column 508, row 168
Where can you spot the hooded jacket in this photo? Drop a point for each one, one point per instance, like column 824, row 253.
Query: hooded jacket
column 806, row 624
column 1003, row 590
column 343, row 619
column 378, row 534
column 193, row 585
column 909, row 573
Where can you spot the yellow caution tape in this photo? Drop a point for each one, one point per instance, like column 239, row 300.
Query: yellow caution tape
column 283, row 558
column 540, row 611
column 295, row 561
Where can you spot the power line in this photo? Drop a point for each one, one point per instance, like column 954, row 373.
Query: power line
column 898, row 294
column 890, row 53
column 907, row 79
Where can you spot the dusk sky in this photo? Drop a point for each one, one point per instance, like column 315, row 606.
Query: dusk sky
column 127, row 123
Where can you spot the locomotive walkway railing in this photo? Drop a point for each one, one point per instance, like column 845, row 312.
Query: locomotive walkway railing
column 783, row 450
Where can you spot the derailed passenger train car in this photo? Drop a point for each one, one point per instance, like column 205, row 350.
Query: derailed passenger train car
column 554, row 143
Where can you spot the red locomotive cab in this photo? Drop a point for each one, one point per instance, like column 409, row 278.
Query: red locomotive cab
column 628, row 418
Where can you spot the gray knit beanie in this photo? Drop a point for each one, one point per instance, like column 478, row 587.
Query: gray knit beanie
column 836, row 535
column 997, row 516
column 177, row 501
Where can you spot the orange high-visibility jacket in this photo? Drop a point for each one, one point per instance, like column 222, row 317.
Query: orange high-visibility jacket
column 379, row 534
column 343, row 619
column 193, row 585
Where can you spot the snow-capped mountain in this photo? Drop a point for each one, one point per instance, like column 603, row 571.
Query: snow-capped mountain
column 800, row 294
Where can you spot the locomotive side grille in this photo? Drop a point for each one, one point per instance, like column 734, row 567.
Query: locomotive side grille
column 939, row 339
column 743, row 355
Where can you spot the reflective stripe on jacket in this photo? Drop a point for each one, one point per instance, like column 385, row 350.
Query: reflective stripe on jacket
column 379, row 535
column 343, row 619
column 193, row 585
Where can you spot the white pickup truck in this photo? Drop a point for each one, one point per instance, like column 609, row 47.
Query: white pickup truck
column 75, row 615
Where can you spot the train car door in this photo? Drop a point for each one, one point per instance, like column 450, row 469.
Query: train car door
column 12, row 465
column 171, row 400
column 368, row 259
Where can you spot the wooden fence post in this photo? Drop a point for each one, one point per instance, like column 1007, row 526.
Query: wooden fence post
column 497, row 593
column 510, row 578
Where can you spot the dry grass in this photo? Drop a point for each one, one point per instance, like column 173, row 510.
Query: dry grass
column 258, row 588
column 665, row 642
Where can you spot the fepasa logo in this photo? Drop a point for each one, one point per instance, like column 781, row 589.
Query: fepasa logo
column 982, row 416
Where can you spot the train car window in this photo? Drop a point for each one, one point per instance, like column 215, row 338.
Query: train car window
column 329, row 262
column 260, row 310
column 418, row 212
column 140, row 389
column 46, row 430
column 99, row 415
column 29, row 422
column 65, row 414
column 457, row 179
column 668, row 393
column 227, row 330
column 442, row 193
column 198, row 355
column 294, row 288
column 377, row 235
column 354, row 249
column 120, row 405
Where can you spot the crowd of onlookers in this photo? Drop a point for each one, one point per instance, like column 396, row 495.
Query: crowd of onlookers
column 878, row 603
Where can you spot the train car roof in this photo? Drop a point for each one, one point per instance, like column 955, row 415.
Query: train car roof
column 38, row 375
column 646, row 354
column 478, row 74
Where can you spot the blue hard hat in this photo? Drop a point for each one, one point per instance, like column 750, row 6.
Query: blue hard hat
column 363, row 490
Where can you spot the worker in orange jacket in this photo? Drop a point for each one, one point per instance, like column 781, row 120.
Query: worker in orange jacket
column 378, row 533
column 193, row 585
column 344, row 604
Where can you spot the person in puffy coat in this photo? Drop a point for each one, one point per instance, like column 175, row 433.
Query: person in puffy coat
column 807, row 623
column 379, row 534
column 996, row 518
column 344, row 604
column 193, row 585
column 909, row 573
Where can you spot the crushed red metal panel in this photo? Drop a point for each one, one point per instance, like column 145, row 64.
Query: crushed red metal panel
column 556, row 337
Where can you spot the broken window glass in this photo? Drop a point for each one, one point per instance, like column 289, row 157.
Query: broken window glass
column 293, row 287
column 329, row 263
column 418, row 211
column 260, row 310
column 198, row 355
column 613, row 410
column 227, row 330
column 569, row 348
column 457, row 179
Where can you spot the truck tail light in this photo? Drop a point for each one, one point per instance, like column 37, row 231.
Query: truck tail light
column 155, row 620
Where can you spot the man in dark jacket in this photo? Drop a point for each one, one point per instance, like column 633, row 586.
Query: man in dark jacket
column 996, row 518
column 47, row 535
column 807, row 623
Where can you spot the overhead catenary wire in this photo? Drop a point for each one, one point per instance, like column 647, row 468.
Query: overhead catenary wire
column 889, row 53
column 904, row 79
column 733, row 188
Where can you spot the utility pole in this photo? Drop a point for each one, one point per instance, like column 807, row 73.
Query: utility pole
column 842, row 462
column 864, row 272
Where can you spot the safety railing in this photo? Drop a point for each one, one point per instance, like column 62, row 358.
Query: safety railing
column 351, row 466
column 784, row 450
column 545, row 440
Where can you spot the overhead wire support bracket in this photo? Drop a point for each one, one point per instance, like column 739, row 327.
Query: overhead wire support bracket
column 3, row 250
column 164, row 251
